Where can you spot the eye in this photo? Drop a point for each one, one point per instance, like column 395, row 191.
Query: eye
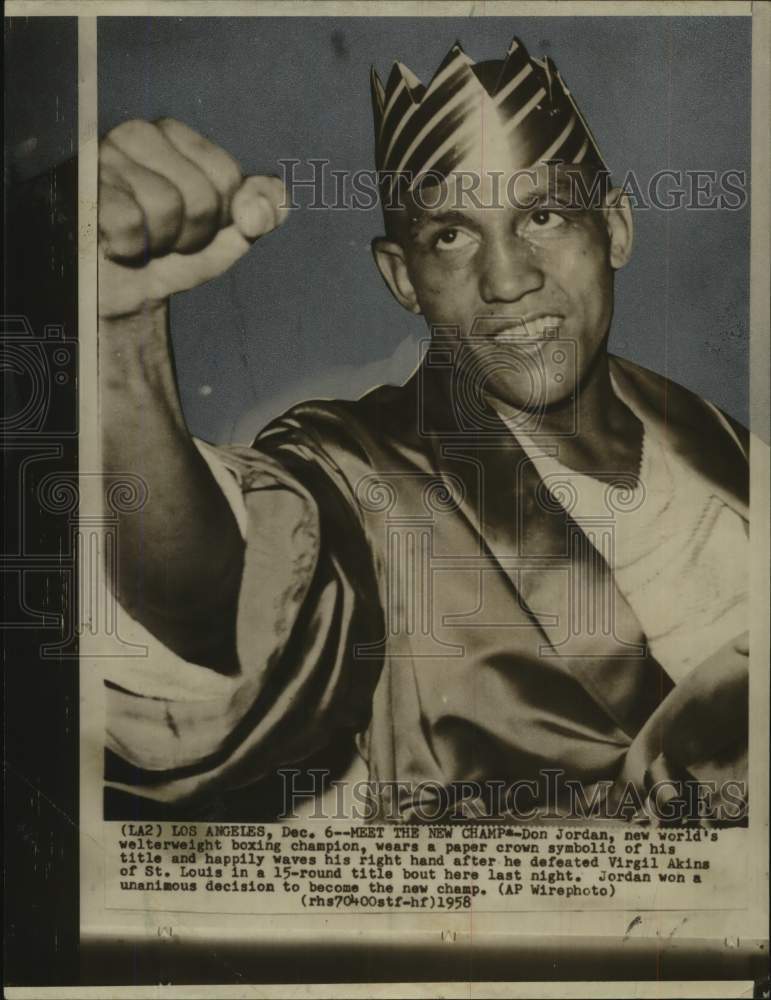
column 544, row 219
column 453, row 239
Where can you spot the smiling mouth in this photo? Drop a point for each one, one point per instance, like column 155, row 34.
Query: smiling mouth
column 526, row 329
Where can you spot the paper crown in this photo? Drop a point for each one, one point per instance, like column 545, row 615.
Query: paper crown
column 432, row 129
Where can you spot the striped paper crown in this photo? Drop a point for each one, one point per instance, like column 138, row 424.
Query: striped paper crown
column 421, row 129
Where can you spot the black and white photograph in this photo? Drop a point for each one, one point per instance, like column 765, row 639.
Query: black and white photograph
column 512, row 579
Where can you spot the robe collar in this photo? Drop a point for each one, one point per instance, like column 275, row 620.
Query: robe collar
column 686, row 423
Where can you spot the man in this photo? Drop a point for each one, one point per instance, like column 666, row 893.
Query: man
column 519, row 570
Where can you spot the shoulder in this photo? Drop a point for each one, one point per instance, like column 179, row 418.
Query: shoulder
column 683, row 412
column 360, row 427
column 713, row 446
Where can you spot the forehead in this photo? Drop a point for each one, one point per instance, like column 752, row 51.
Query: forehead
column 483, row 183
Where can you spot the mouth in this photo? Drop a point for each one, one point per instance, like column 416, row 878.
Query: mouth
column 530, row 327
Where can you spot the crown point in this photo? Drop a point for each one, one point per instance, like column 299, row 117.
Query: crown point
column 378, row 93
column 412, row 81
column 517, row 45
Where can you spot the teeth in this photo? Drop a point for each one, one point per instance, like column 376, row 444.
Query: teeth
column 531, row 328
column 544, row 323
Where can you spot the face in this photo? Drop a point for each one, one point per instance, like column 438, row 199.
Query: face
column 522, row 271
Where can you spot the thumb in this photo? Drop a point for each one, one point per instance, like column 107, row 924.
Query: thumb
column 259, row 206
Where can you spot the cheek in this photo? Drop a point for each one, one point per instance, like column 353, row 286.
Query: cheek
column 442, row 292
column 584, row 275
column 583, row 261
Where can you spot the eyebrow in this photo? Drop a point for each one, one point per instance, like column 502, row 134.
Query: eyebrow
column 560, row 181
column 449, row 217
column 559, row 185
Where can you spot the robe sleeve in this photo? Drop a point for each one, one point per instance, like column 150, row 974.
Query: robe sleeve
column 180, row 731
column 697, row 734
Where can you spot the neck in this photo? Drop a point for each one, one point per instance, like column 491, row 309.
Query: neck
column 594, row 430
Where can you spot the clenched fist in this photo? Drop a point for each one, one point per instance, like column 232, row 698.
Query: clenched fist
column 174, row 211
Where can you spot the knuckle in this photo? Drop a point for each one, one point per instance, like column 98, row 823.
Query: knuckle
column 166, row 121
column 130, row 129
column 204, row 207
column 132, row 223
column 229, row 174
column 169, row 209
column 126, row 235
column 109, row 155
column 128, row 224
column 162, row 220
column 229, row 167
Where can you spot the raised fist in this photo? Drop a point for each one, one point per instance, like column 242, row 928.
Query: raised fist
column 174, row 211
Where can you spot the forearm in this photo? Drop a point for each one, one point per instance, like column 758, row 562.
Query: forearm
column 174, row 212
column 180, row 557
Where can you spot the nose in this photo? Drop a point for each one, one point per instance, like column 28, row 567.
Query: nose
column 509, row 270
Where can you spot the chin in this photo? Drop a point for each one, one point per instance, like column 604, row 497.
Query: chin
column 535, row 396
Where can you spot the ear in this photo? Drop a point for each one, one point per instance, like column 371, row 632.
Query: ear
column 618, row 219
column 389, row 257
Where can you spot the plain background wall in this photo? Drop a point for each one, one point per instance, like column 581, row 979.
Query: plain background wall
column 305, row 313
